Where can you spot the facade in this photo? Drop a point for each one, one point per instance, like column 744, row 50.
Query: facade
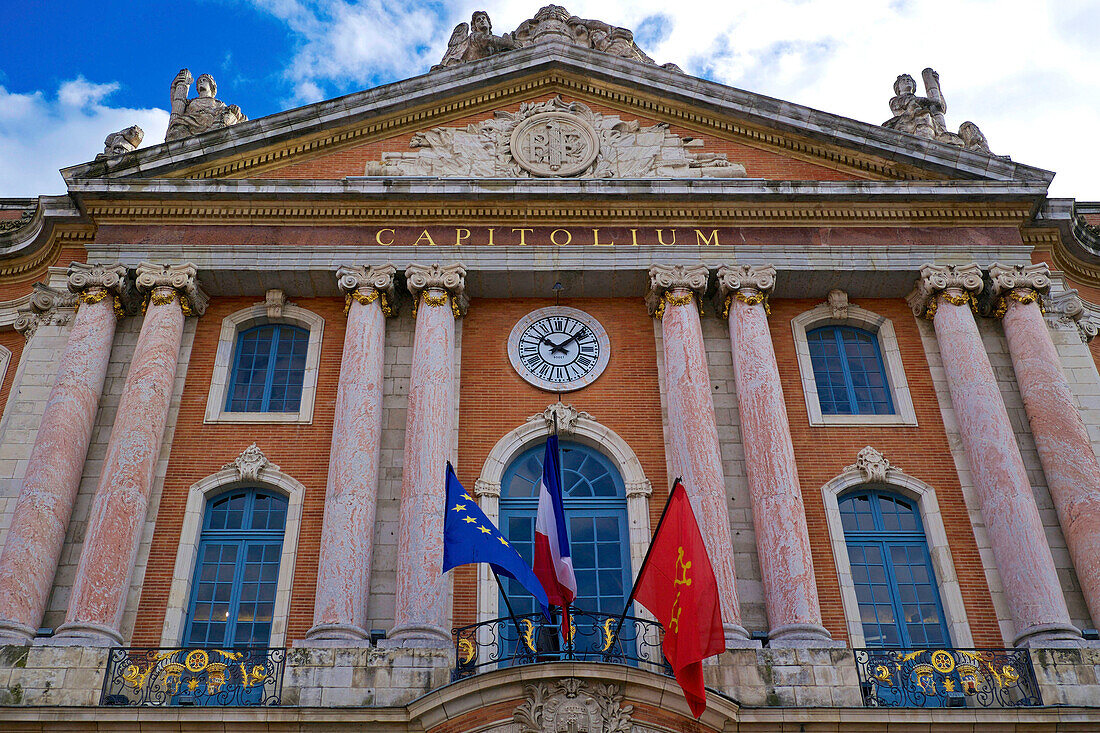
column 235, row 364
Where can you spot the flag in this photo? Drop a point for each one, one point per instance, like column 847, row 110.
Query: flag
column 469, row 537
column 678, row 586
column 553, row 565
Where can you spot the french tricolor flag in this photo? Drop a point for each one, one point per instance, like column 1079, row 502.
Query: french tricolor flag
column 553, row 566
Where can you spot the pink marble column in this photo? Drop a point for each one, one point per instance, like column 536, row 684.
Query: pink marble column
column 779, row 517
column 1016, row 534
column 423, row 592
column 117, row 516
column 694, row 452
column 45, row 505
column 1065, row 450
column 347, row 537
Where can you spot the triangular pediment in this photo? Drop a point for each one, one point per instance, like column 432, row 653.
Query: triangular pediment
column 649, row 122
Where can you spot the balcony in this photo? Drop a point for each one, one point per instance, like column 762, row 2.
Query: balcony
column 947, row 678
column 529, row 639
column 191, row 676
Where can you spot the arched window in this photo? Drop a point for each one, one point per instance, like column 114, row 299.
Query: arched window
column 899, row 602
column 849, row 371
column 595, row 511
column 269, row 366
column 233, row 593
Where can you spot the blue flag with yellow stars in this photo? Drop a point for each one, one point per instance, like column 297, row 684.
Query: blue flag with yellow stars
column 469, row 537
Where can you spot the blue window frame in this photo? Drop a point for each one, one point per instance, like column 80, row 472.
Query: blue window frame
column 849, row 371
column 233, row 592
column 899, row 601
column 268, row 369
column 595, row 510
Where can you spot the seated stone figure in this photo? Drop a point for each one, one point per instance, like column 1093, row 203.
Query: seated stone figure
column 121, row 142
column 198, row 114
column 474, row 41
column 924, row 116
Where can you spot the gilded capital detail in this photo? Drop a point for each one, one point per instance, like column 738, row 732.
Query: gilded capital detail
column 368, row 283
column 164, row 283
column 1021, row 283
column 437, row 284
column 750, row 285
column 675, row 285
column 93, row 283
column 957, row 284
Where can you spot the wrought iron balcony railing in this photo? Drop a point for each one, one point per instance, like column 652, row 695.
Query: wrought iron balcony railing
column 529, row 639
column 193, row 676
column 965, row 678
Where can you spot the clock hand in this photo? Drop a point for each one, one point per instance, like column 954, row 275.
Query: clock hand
column 561, row 347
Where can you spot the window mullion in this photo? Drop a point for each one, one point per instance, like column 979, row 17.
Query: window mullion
column 848, row 385
column 895, row 596
column 235, row 374
column 235, row 594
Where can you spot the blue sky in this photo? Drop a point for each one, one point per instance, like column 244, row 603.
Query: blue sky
column 1027, row 71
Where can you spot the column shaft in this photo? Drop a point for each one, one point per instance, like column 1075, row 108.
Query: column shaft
column 779, row 516
column 56, row 464
column 694, row 451
column 1065, row 450
column 423, row 592
column 347, row 538
column 1015, row 530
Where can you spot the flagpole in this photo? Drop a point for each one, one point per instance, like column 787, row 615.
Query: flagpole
column 561, row 489
column 645, row 561
column 511, row 613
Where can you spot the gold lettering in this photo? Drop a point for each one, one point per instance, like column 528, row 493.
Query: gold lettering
column 596, row 239
column 634, row 237
column 378, row 237
column 661, row 237
column 522, row 234
column 568, row 237
column 700, row 238
column 460, row 236
column 491, row 230
column 425, row 235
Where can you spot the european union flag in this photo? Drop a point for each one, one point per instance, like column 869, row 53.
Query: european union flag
column 469, row 537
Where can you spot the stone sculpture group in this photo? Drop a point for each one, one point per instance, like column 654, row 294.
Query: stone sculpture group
column 198, row 114
column 924, row 116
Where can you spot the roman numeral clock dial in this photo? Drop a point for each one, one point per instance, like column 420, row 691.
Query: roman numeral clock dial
column 559, row 349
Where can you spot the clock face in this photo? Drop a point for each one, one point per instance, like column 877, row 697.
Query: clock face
column 559, row 349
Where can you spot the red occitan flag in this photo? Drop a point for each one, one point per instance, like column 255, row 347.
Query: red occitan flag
column 678, row 586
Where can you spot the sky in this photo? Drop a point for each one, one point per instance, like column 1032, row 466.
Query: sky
column 1026, row 71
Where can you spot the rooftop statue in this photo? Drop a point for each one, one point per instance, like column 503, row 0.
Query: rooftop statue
column 198, row 114
column 121, row 142
column 924, row 116
column 552, row 23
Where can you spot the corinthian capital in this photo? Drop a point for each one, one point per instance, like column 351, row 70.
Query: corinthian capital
column 451, row 279
column 93, row 283
column 155, row 280
column 663, row 279
column 751, row 285
column 1019, row 277
column 367, row 284
column 958, row 283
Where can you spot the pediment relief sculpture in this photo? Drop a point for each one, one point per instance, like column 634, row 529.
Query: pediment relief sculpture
column 201, row 113
column 123, row 141
column 555, row 138
column 924, row 116
column 573, row 706
column 474, row 41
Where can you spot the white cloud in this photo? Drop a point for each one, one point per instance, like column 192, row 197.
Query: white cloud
column 40, row 135
column 1027, row 71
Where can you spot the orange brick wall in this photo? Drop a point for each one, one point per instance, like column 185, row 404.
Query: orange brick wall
column 199, row 450
column 758, row 163
column 494, row 400
column 923, row 451
column 14, row 342
column 19, row 285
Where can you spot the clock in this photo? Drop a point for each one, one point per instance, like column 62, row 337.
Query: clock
column 559, row 349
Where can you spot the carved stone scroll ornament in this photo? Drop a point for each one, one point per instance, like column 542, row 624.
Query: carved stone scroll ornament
column 10, row 225
column 666, row 280
column 367, row 284
column 164, row 283
column 573, row 706
column 438, row 284
column 1021, row 283
column 251, row 463
column 748, row 284
column 924, row 116
column 565, row 415
column 201, row 113
column 47, row 307
column 554, row 138
column 93, row 283
column 957, row 284
column 551, row 23
column 872, row 465
column 838, row 303
column 1066, row 309
column 123, row 141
